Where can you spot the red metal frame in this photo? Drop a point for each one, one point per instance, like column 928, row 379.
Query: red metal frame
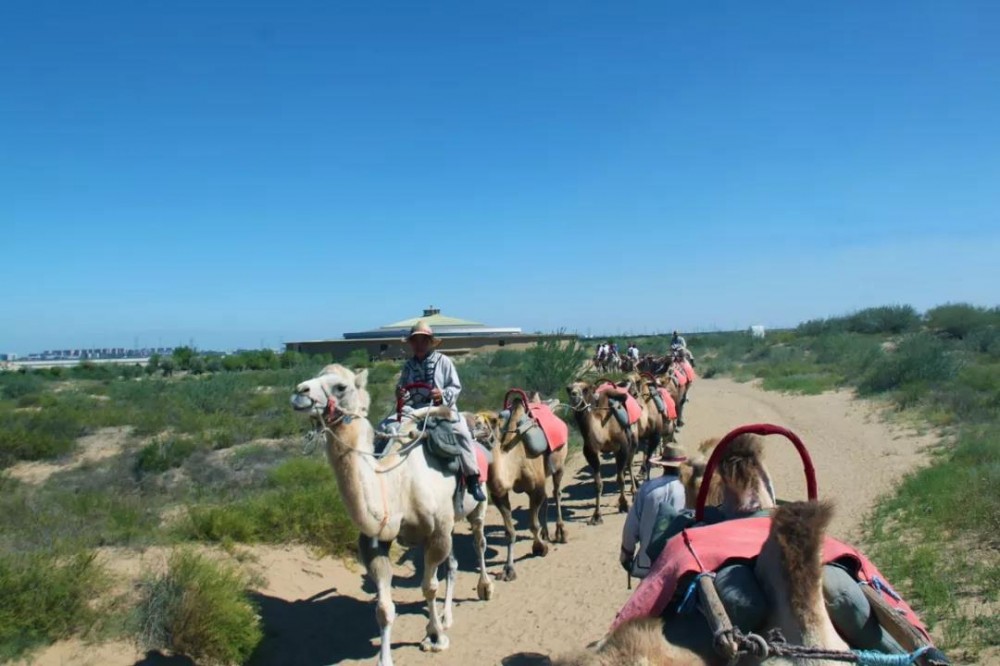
column 755, row 429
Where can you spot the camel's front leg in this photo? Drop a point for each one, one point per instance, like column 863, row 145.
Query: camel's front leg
column 484, row 589
column 375, row 557
column 451, row 564
column 594, row 461
column 436, row 551
column 557, row 496
column 502, row 503
column 539, row 548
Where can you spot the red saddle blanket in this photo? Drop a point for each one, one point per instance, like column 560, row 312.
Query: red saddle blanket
column 483, row 461
column 689, row 370
column 631, row 404
column 679, row 375
column 668, row 402
column 555, row 429
column 709, row 547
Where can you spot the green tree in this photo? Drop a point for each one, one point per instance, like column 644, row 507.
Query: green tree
column 153, row 365
column 182, row 357
column 551, row 364
column 167, row 366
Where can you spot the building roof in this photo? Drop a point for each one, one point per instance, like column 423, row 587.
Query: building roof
column 443, row 326
column 433, row 321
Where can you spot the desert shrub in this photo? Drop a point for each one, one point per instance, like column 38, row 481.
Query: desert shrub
column 167, row 366
column 159, row 456
column 883, row 320
column 200, row 609
column 299, row 503
column 45, row 597
column 357, row 359
column 919, row 358
column 38, row 435
column 551, row 364
column 197, row 365
column 14, row 385
column 886, row 320
column 985, row 340
column 233, row 362
column 957, row 320
column 182, row 357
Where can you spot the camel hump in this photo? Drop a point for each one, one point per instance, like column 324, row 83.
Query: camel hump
column 799, row 528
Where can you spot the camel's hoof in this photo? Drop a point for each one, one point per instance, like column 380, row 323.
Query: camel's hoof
column 484, row 590
column 539, row 549
column 507, row 575
column 595, row 520
column 560, row 534
column 623, row 506
column 429, row 644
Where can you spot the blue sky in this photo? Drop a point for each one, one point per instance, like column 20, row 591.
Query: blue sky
column 242, row 172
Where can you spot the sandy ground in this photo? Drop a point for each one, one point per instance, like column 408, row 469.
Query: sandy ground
column 318, row 611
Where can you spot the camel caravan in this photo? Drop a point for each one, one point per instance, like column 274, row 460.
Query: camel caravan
column 729, row 574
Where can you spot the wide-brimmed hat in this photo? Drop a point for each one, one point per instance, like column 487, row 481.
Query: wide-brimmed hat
column 422, row 328
column 673, row 456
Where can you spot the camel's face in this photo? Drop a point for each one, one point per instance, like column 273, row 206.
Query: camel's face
column 335, row 389
column 579, row 394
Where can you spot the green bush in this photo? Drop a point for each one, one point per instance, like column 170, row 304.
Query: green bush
column 200, row 609
column 919, row 358
column 182, row 357
column 958, row 320
column 160, row 456
column 551, row 364
column 48, row 433
column 45, row 597
column 14, row 385
column 299, row 503
column 885, row 320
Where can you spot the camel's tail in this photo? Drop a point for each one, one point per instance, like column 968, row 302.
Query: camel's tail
column 798, row 530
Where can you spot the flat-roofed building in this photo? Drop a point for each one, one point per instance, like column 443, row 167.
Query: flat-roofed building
column 458, row 336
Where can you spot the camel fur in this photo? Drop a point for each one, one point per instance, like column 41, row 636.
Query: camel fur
column 602, row 434
column 404, row 496
column 789, row 569
column 515, row 470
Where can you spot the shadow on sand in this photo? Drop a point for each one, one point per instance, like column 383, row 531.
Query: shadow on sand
column 526, row 659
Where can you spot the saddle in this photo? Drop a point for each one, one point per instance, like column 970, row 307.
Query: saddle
column 623, row 405
column 440, row 437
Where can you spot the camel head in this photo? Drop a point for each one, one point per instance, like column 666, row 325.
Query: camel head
column 581, row 395
column 486, row 427
column 747, row 486
column 334, row 391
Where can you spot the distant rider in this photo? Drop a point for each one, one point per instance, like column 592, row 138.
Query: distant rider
column 432, row 367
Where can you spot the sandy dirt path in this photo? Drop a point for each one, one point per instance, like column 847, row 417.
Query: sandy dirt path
column 321, row 612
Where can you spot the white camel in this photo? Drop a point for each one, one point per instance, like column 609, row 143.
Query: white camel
column 404, row 495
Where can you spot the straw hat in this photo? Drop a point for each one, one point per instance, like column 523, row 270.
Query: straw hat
column 673, row 457
column 422, row 328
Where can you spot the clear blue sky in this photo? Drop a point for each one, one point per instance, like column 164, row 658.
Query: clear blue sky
column 239, row 172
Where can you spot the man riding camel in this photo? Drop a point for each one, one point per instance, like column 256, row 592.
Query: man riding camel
column 658, row 498
column 678, row 346
column 431, row 367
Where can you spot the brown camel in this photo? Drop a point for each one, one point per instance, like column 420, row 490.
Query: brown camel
column 741, row 485
column 515, row 469
column 602, row 434
column 790, row 570
column 654, row 426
